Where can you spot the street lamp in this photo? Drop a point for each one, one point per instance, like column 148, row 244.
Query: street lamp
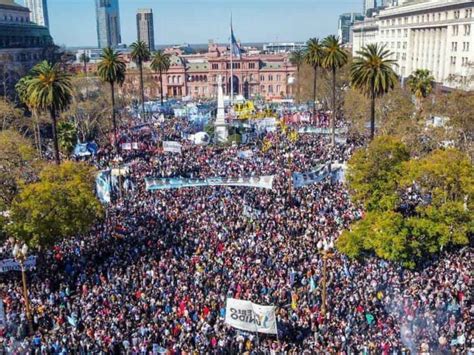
column 20, row 254
column 325, row 249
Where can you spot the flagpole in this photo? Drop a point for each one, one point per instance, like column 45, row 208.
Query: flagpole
column 231, row 65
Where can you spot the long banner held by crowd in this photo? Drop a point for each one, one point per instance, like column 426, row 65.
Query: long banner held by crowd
column 245, row 315
column 13, row 265
column 171, row 146
column 264, row 182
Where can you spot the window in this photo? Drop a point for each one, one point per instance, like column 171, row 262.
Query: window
column 278, row 89
column 467, row 30
column 262, row 77
column 453, row 60
column 456, row 14
column 215, row 66
column 270, row 77
column 278, row 78
column 251, row 65
column 262, row 88
column 455, row 30
column 454, row 46
column 270, row 89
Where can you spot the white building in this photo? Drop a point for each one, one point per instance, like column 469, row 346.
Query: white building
column 437, row 35
column 39, row 12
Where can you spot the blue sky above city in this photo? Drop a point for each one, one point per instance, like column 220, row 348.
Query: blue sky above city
column 72, row 22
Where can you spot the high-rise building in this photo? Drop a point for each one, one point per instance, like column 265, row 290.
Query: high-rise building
column 108, row 23
column 38, row 11
column 437, row 35
column 22, row 44
column 344, row 28
column 369, row 6
column 145, row 27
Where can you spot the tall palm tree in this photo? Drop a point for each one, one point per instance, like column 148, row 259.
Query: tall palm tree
column 50, row 89
column 314, row 56
column 140, row 54
column 420, row 83
column 21, row 88
column 372, row 73
column 111, row 69
column 84, row 59
column 297, row 59
column 161, row 63
column 335, row 57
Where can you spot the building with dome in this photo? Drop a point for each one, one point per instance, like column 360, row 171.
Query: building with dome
column 22, row 43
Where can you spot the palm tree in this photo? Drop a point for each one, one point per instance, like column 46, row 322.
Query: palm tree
column 111, row 69
column 140, row 53
column 335, row 57
column 50, row 89
column 372, row 73
column 84, row 59
column 161, row 63
column 21, row 88
column 420, row 83
column 314, row 57
column 297, row 59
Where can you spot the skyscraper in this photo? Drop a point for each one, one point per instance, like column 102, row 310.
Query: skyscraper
column 346, row 21
column 108, row 23
column 38, row 12
column 369, row 6
column 145, row 27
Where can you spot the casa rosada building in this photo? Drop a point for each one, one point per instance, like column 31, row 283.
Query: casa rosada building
column 269, row 76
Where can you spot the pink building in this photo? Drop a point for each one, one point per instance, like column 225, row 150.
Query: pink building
column 255, row 75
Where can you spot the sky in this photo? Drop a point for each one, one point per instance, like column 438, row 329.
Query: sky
column 72, row 22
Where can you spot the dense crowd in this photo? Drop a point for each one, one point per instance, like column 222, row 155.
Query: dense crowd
column 155, row 274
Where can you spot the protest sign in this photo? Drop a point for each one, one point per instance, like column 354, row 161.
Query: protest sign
column 245, row 315
column 172, row 147
column 13, row 265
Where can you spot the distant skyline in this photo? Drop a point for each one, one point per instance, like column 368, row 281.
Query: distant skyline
column 73, row 22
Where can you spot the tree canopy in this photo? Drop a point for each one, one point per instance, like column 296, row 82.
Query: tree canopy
column 61, row 204
column 415, row 207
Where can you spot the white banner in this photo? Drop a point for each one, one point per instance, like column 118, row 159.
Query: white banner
column 264, row 182
column 129, row 146
column 170, row 146
column 13, row 265
column 245, row 315
column 3, row 321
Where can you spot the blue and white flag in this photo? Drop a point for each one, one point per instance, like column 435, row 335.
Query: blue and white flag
column 234, row 46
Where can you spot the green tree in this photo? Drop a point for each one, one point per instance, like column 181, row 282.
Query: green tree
column 161, row 63
column 50, row 90
column 140, row 54
column 372, row 74
column 17, row 163
column 314, row 57
column 297, row 59
column 67, row 136
column 373, row 173
column 111, row 70
column 335, row 57
column 21, row 88
column 431, row 202
column 420, row 83
column 60, row 205
column 84, row 59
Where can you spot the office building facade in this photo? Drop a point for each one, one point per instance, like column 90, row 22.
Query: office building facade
column 108, row 23
column 38, row 11
column 344, row 28
column 145, row 27
column 437, row 35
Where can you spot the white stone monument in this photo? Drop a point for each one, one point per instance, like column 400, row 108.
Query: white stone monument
column 221, row 131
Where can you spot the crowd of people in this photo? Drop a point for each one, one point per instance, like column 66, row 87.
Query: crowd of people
column 154, row 276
